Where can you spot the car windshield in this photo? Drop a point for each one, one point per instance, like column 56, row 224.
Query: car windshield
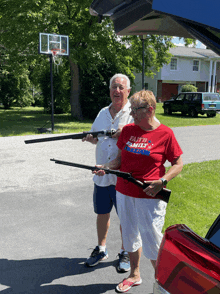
column 211, row 97
column 215, row 239
column 213, row 234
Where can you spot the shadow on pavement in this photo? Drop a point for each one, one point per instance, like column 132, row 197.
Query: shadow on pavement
column 29, row 276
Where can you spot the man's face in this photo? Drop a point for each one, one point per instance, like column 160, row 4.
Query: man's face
column 119, row 92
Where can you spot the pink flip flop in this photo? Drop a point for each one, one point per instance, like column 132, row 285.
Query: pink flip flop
column 130, row 284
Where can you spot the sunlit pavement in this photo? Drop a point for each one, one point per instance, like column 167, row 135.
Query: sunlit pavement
column 48, row 227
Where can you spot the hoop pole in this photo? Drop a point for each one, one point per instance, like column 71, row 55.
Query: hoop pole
column 143, row 65
column 52, row 100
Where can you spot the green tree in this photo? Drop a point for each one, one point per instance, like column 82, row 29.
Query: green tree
column 61, row 89
column 189, row 42
column 91, row 44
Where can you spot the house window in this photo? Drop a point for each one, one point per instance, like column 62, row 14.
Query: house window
column 173, row 64
column 195, row 65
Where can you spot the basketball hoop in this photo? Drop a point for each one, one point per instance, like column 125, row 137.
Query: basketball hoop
column 56, row 53
column 56, row 46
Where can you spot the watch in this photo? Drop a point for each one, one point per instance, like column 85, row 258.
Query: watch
column 164, row 182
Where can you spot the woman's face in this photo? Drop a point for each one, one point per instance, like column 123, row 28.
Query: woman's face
column 140, row 112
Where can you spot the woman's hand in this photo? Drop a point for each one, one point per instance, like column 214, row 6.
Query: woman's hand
column 153, row 188
column 114, row 164
column 117, row 134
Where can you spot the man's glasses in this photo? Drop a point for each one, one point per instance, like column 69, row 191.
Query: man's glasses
column 135, row 109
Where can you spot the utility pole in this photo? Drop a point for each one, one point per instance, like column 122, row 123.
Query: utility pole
column 143, row 64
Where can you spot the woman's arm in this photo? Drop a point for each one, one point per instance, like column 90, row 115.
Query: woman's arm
column 156, row 186
column 176, row 167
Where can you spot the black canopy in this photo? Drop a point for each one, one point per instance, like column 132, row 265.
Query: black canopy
column 197, row 19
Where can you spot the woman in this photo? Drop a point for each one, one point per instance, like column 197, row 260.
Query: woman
column 144, row 146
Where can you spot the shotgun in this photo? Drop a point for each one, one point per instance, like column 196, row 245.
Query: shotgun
column 102, row 133
column 163, row 194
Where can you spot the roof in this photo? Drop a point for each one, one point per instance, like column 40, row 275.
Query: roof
column 183, row 51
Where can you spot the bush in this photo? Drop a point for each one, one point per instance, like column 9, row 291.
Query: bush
column 188, row 88
column 8, row 90
column 24, row 98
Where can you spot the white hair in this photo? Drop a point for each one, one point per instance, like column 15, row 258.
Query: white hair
column 122, row 77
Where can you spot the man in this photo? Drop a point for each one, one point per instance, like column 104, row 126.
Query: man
column 114, row 116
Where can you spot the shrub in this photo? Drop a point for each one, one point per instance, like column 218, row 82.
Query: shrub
column 189, row 88
column 8, row 90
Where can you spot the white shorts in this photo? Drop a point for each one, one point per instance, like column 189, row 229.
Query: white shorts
column 142, row 221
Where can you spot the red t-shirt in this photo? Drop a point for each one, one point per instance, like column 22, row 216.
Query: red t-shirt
column 143, row 155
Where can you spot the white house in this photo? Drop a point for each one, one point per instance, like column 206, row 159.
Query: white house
column 188, row 65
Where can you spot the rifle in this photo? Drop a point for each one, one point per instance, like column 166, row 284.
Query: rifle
column 163, row 194
column 102, row 133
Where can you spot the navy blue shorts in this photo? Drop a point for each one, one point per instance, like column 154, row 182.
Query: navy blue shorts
column 104, row 198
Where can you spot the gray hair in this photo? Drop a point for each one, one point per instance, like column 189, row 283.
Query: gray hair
column 122, row 77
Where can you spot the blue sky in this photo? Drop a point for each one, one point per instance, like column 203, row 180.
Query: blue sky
column 179, row 42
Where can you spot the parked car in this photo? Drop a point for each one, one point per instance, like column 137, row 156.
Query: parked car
column 188, row 263
column 193, row 103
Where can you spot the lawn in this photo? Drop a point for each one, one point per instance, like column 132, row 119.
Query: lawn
column 26, row 121
column 195, row 196
column 195, row 192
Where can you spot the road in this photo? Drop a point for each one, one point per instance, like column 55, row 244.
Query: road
column 47, row 220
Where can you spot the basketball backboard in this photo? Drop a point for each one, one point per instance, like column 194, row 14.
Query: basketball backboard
column 53, row 43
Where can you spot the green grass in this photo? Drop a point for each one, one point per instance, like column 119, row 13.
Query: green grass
column 195, row 196
column 26, row 121
column 195, row 192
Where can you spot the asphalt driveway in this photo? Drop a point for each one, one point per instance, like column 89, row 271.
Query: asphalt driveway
column 47, row 222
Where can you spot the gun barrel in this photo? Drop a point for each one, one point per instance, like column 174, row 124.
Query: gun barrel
column 163, row 194
column 72, row 136
column 110, row 171
column 56, row 138
column 74, row 164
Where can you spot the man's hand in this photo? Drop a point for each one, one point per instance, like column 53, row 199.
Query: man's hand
column 90, row 138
